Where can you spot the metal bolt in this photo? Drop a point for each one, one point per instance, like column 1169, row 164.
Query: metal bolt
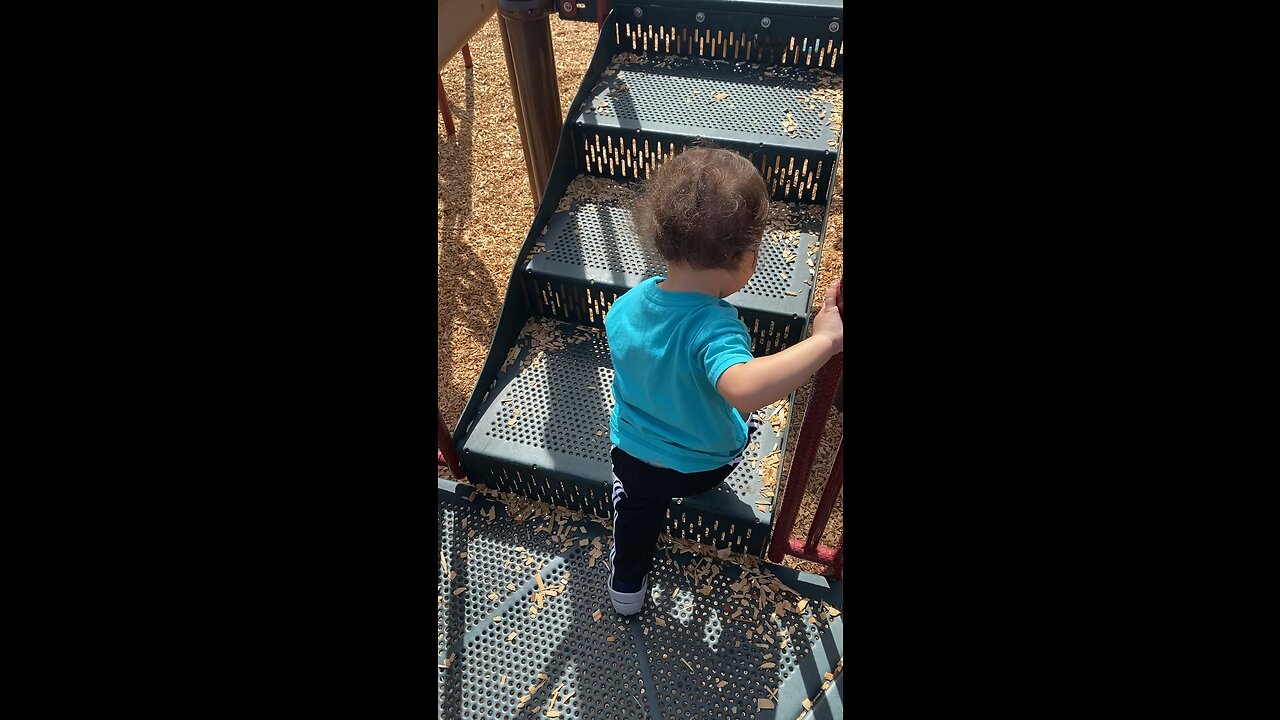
column 700, row 16
column 568, row 6
column 638, row 12
column 765, row 22
column 834, row 26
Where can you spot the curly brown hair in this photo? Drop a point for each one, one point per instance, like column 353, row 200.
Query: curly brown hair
column 704, row 207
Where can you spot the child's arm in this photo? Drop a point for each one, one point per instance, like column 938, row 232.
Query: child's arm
column 752, row 385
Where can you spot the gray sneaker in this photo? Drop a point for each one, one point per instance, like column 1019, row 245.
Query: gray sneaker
column 628, row 603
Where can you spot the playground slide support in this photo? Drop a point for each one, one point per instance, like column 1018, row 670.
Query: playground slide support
column 456, row 22
column 531, row 68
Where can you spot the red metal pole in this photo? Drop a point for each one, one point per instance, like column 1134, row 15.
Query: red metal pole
column 602, row 11
column 466, row 55
column 444, row 105
column 837, row 562
column 820, row 517
column 822, row 554
column 446, row 449
column 815, row 422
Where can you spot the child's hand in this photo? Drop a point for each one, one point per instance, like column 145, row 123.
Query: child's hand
column 829, row 321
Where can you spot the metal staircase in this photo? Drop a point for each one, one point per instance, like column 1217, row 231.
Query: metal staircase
column 759, row 78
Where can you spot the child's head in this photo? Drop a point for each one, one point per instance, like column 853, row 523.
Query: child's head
column 705, row 208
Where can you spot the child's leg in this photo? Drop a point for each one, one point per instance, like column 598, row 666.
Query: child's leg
column 638, row 519
column 641, row 495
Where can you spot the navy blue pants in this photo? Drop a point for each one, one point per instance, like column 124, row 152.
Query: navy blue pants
column 641, row 495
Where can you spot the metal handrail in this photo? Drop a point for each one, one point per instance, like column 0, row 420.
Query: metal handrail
column 814, row 424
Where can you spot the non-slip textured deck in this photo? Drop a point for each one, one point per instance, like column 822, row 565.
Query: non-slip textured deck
column 714, row 639
column 550, row 410
column 595, row 240
column 716, row 99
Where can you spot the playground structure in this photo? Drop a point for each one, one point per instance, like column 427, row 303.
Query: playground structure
column 531, row 430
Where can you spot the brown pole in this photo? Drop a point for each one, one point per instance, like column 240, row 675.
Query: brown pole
column 511, row 76
column 531, row 67
column 444, row 105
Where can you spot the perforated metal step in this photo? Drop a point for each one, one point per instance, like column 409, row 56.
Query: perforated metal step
column 738, row 101
column 542, row 432
column 713, row 641
column 590, row 255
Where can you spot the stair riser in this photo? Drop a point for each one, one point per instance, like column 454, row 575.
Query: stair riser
column 791, row 174
column 588, row 303
column 670, row 30
column 577, row 494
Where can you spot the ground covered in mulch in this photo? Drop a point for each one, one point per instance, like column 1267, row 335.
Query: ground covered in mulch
column 485, row 207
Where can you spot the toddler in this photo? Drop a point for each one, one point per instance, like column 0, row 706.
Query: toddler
column 685, row 384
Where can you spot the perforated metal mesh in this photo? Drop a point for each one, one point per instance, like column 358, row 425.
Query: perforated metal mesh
column 445, row 603
column 602, row 236
column 698, row 630
column 641, row 672
column 775, row 274
column 789, row 42
column 561, row 404
column 486, row 563
column 555, row 413
column 718, row 95
column 562, row 641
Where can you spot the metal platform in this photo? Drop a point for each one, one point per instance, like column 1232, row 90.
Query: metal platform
column 543, row 432
column 526, row 628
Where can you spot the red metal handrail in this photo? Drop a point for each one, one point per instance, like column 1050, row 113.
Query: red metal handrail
column 810, row 550
column 446, row 453
column 814, row 424
column 834, row 482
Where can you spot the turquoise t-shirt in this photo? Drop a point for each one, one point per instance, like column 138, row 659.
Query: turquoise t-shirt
column 669, row 350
